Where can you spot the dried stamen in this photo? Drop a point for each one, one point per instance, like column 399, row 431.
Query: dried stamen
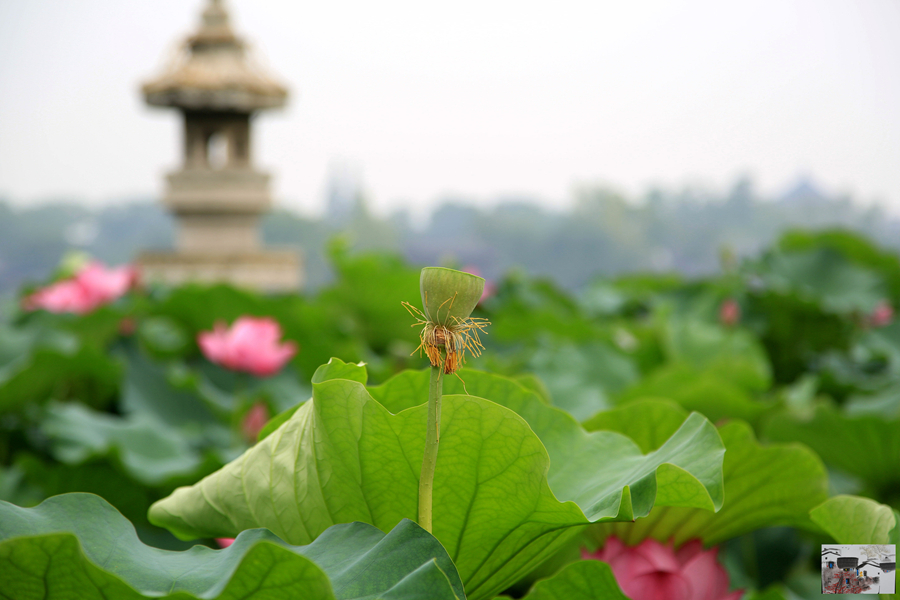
column 456, row 338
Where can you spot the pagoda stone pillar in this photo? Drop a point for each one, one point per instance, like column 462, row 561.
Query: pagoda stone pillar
column 218, row 197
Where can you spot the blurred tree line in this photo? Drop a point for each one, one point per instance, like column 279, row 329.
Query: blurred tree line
column 604, row 232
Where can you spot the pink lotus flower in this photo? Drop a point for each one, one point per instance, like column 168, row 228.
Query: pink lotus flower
column 92, row 286
column 224, row 542
column 653, row 571
column 251, row 344
column 882, row 315
column 730, row 312
column 255, row 419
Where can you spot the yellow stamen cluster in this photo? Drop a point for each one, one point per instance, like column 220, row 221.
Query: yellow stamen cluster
column 455, row 339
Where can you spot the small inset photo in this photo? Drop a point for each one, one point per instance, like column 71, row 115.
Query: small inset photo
column 859, row 569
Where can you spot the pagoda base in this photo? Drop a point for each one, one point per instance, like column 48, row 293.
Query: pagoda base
column 269, row 271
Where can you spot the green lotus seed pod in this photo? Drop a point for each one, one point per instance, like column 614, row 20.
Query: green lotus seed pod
column 449, row 296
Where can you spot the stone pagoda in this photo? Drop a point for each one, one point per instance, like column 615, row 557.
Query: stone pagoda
column 217, row 197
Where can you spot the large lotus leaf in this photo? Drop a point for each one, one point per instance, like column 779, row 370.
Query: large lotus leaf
column 851, row 246
column 733, row 352
column 146, row 390
column 824, row 276
column 855, row 520
column 54, row 365
column 649, row 422
column 15, row 487
column 710, row 391
column 883, row 342
column 499, row 508
column 581, row 377
column 165, row 437
column 885, row 403
column 530, row 310
column 765, row 486
column 149, row 451
column 164, row 337
column 335, row 368
column 78, row 546
column 581, row 580
column 16, row 342
column 572, row 451
column 149, row 393
column 865, row 445
column 227, row 392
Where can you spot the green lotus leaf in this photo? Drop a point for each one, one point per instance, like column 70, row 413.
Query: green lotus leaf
column 581, row 377
column 581, row 580
column 64, row 368
column 151, row 453
column 572, row 451
column 449, row 296
column 734, row 352
column 711, row 392
column 852, row 247
column 649, row 422
column 824, row 276
column 855, row 520
column 78, row 546
column 164, row 337
column 333, row 369
column 765, row 485
column 864, row 445
column 503, row 500
column 338, row 369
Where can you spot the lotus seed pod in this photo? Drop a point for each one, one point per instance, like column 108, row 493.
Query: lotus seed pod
column 449, row 296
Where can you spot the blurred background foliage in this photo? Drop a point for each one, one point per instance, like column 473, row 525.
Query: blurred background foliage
column 603, row 232
column 798, row 340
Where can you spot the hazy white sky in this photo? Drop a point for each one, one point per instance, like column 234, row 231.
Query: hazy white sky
column 473, row 98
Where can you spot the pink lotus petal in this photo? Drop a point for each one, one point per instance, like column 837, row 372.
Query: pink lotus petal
column 629, row 565
column 730, row 312
column 654, row 571
column 883, row 314
column 255, row 419
column 611, row 548
column 657, row 585
column 661, row 557
column 707, row 576
column 688, row 551
column 224, row 542
column 214, row 343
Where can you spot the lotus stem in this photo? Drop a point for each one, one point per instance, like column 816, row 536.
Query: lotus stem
column 448, row 331
column 432, row 439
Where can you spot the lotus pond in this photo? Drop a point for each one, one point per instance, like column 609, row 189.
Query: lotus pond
column 407, row 434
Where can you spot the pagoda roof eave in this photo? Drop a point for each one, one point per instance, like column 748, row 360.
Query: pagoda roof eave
column 233, row 100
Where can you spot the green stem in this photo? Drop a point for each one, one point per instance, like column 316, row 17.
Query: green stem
column 432, row 439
